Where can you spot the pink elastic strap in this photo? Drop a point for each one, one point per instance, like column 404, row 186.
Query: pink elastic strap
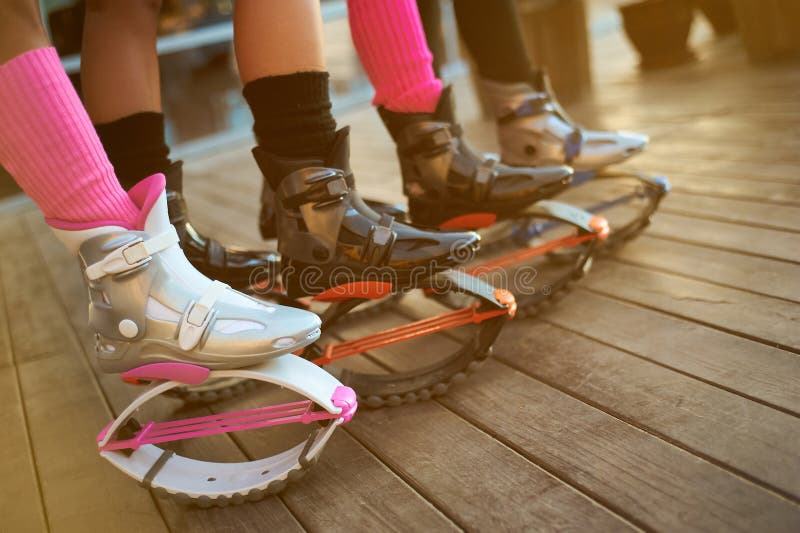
column 391, row 44
column 49, row 146
column 260, row 417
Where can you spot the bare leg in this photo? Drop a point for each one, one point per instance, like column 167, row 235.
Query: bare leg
column 20, row 28
column 276, row 37
column 119, row 67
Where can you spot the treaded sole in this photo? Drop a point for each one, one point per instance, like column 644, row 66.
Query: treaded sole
column 425, row 393
column 254, row 495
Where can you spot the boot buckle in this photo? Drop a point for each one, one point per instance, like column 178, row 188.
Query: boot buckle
column 427, row 138
column 325, row 186
column 127, row 257
column 484, row 177
column 379, row 242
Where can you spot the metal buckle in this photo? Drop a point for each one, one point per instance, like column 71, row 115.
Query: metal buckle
column 484, row 177
column 379, row 242
column 127, row 257
column 325, row 187
column 193, row 325
column 428, row 138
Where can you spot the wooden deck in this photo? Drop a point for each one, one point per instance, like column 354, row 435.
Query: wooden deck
column 663, row 394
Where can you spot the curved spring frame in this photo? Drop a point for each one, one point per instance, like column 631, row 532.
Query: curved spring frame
column 132, row 447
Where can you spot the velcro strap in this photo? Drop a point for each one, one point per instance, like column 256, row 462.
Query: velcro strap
column 325, row 187
column 198, row 315
column 132, row 255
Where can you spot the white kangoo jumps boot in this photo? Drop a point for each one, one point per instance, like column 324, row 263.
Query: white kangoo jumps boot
column 533, row 130
column 148, row 304
column 158, row 321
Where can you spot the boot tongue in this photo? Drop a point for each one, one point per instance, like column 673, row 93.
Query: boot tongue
column 150, row 196
column 445, row 109
column 396, row 123
column 339, row 155
column 275, row 167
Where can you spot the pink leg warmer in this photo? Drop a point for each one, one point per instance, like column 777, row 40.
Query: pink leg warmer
column 391, row 44
column 49, row 146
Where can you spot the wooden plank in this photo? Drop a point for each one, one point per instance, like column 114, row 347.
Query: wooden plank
column 31, row 340
column 732, row 237
column 64, row 409
column 653, row 483
column 351, row 491
column 268, row 513
column 22, row 507
column 759, row 214
column 753, row 274
column 743, row 157
column 764, row 319
column 771, row 216
column 472, row 476
column 752, row 369
column 752, row 439
column 699, row 157
column 763, row 191
column 21, row 503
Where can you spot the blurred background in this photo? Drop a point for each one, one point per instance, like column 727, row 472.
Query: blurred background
column 198, row 69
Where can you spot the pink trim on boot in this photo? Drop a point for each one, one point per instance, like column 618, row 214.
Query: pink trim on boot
column 144, row 195
column 49, row 146
column 391, row 44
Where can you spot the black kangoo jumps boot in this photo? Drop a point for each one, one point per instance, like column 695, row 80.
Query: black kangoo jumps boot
column 444, row 179
column 346, row 257
column 227, row 264
column 327, row 234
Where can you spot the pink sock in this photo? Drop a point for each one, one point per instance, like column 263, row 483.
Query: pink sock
column 49, row 146
column 391, row 44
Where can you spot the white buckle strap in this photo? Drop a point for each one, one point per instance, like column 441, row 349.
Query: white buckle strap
column 132, row 255
column 198, row 315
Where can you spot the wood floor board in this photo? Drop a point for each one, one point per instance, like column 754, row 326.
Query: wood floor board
column 768, row 320
column 753, row 440
column 647, row 480
column 752, row 369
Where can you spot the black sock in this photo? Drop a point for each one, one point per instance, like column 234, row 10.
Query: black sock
column 292, row 114
column 492, row 33
column 136, row 146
